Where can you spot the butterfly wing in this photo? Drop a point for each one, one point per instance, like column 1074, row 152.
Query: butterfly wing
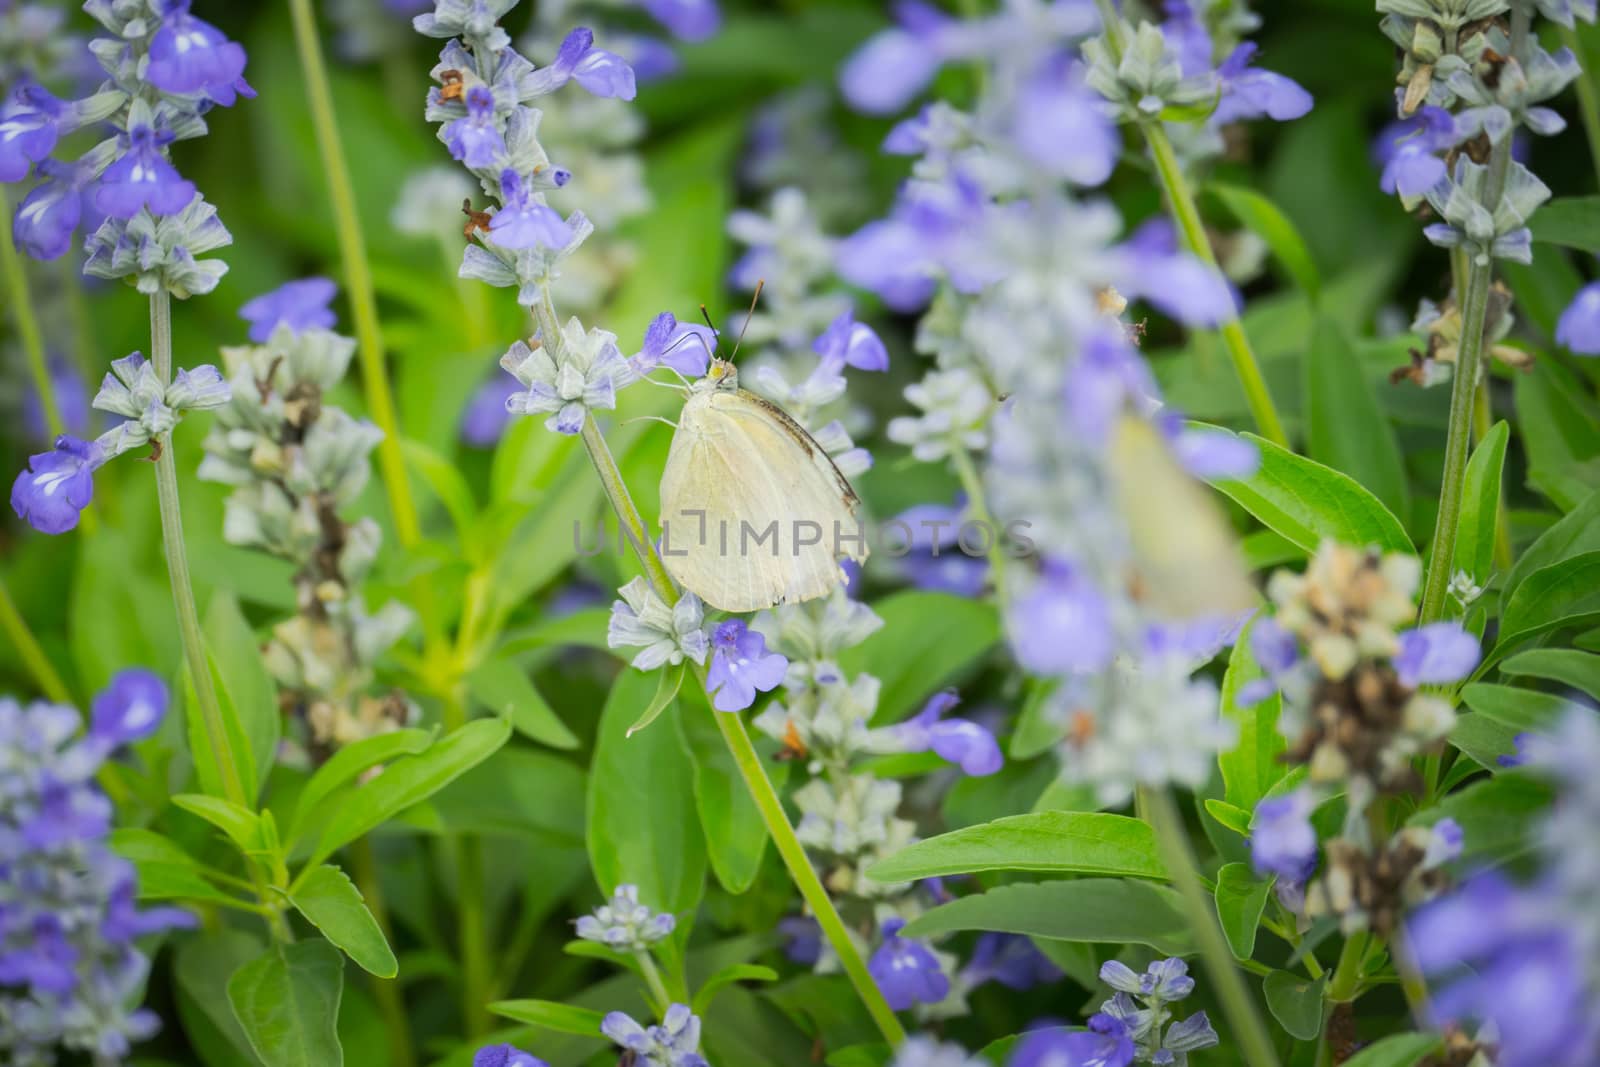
column 754, row 512
column 1188, row 559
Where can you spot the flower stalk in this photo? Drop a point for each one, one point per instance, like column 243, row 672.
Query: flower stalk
column 28, row 650
column 1159, row 809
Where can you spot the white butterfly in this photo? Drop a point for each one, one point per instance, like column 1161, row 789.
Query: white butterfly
column 753, row 511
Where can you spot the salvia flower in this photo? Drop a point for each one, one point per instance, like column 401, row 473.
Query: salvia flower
column 600, row 72
column 624, row 924
column 1282, row 839
column 523, row 222
column 920, row 1051
column 1411, row 152
column 1249, row 93
column 70, row 971
column 301, row 305
column 474, row 138
column 58, row 485
column 1131, row 1027
column 961, row 741
column 1105, row 1043
column 683, row 346
column 741, row 666
column 1010, row 959
column 905, row 970
column 585, row 380
column 675, row 1042
column 189, row 56
column 505, row 1056
column 664, row 635
column 1578, row 329
column 142, row 178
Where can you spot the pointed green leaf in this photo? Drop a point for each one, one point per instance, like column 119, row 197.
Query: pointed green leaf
column 1345, row 428
column 332, row 903
column 668, row 681
column 1296, row 1003
column 1480, row 506
column 1569, row 666
column 1252, row 767
column 1241, row 898
column 1235, row 819
column 236, row 653
column 1396, row 1050
column 562, row 1018
column 1562, row 594
column 737, row 972
column 1106, row 910
column 1061, row 841
column 242, row 827
column 287, row 1003
column 1267, row 221
column 1576, row 533
column 349, row 763
column 505, row 688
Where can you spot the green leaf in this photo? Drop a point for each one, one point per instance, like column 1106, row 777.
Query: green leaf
column 1264, row 219
column 202, row 966
column 642, row 824
column 1234, row 818
column 1497, row 815
column 287, row 1003
column 332, row 903
column 549, row 1015
column 736, row 972
column 1307, row 502
column 1345, row 428
column 952, row 634
column 1252, row 767
column 1241, row 898
column 735, row 835
column 242, row 826
column 668, row 681
column 450, row 486
column 1578, row 532
column 1396, row 1050
column 206, row 762
column 1581, row 670
column 1480, row 506
column 1520, row 709
column 1559, row 425
column 504, row 687
column 1037, row 731
column 871, row 1054
column 1562, row 594
column 1570, row 221
column 349, row 763
column 1060, row 841
column 166, row 872
column 1483, row 739
column 1103, row 910
column 1296, row 1003
column 236, row 653
column 408, row 781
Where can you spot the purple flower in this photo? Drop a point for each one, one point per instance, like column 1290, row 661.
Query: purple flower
column 1063, row 128
column 1248, row 93
column 1062, row 624
column 847, row 342
column 124, row 921
column 1436, row 654
column 685, row 347
column 485, row 418
column 189, row 56
column 741, row 666
column 906, row 971
column 142, row 178
column 29, row 128
column 1282, row 840
column 602, row 73
column 1276, row 649
column 72, row 400
column 895, row 65
column 523, row 222
column 129, row 709
column 1010, row 959
column 1409, row 151
column 936, row 227
column 1187, row 37
column 300, row 305
column 934, row 558
column 474, row 138
column 802, row 939
column 49, row 215
column 57, row 486
column 1579, row 326
column 1151, row 266
column 960, row 741
column 1106, row 1043
column 505, row 1056
column 1214, row 454
column 1107, row 379
column 689, row 20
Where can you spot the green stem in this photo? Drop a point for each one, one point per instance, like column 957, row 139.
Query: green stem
column 28, row 325
column 477, row 971
column 652, row 979
column 194, row 649
column 1347, row 972
column 738, row 741
column 1186, row 213
column 1588, row 97
column 27, row 648
column 978, row 508
column 1237, row 1004
column 386, row 991
column 357, row 275
column 1482, row 423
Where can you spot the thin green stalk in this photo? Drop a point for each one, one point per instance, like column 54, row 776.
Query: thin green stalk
column 27, row 325
column 357, row 274
column 1463, row 389
column 386, row 991
column 1588, row 97
column 27, row 647
column 194, row 649
column 1185, row 212
column 652, row 979
column 1237, row 1004
column 1482, row 423
column 477, row 970
column 744, row 753
column 1347, row 972
column 978, row 508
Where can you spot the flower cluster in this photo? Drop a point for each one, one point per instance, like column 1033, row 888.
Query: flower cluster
column 674, row 1042
column 1009, row 265
column 740, row 666
column 624, row 924
column 1349, row 680
column 294, row 463
column 1129, row 1028
column 70, row 968
column 52, row 493
column 1525, row 958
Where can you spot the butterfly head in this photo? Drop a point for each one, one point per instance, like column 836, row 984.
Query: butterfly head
column 721, row 376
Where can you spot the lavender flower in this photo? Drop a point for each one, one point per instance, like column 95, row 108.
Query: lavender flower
column 485, row 419
column 741, row 666
column 1409, row 151
column 189, row 56
column 1105, row 1043
column 300, row 305
column 673, row 1043
column 1282, row 839
column 505, row 1056
column 905, row 971
column 684, row 347
column 960, row 741
column 58, row 485
column 600, row 72
column 1010, row 959
column 1436, row 654
column 1578, row 329
column 623, row 924
column 919, row 1051
column 142, row 178
column 69, row 969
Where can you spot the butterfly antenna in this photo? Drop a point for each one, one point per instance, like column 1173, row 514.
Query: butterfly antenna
column 651, row 418
column 760, row 284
